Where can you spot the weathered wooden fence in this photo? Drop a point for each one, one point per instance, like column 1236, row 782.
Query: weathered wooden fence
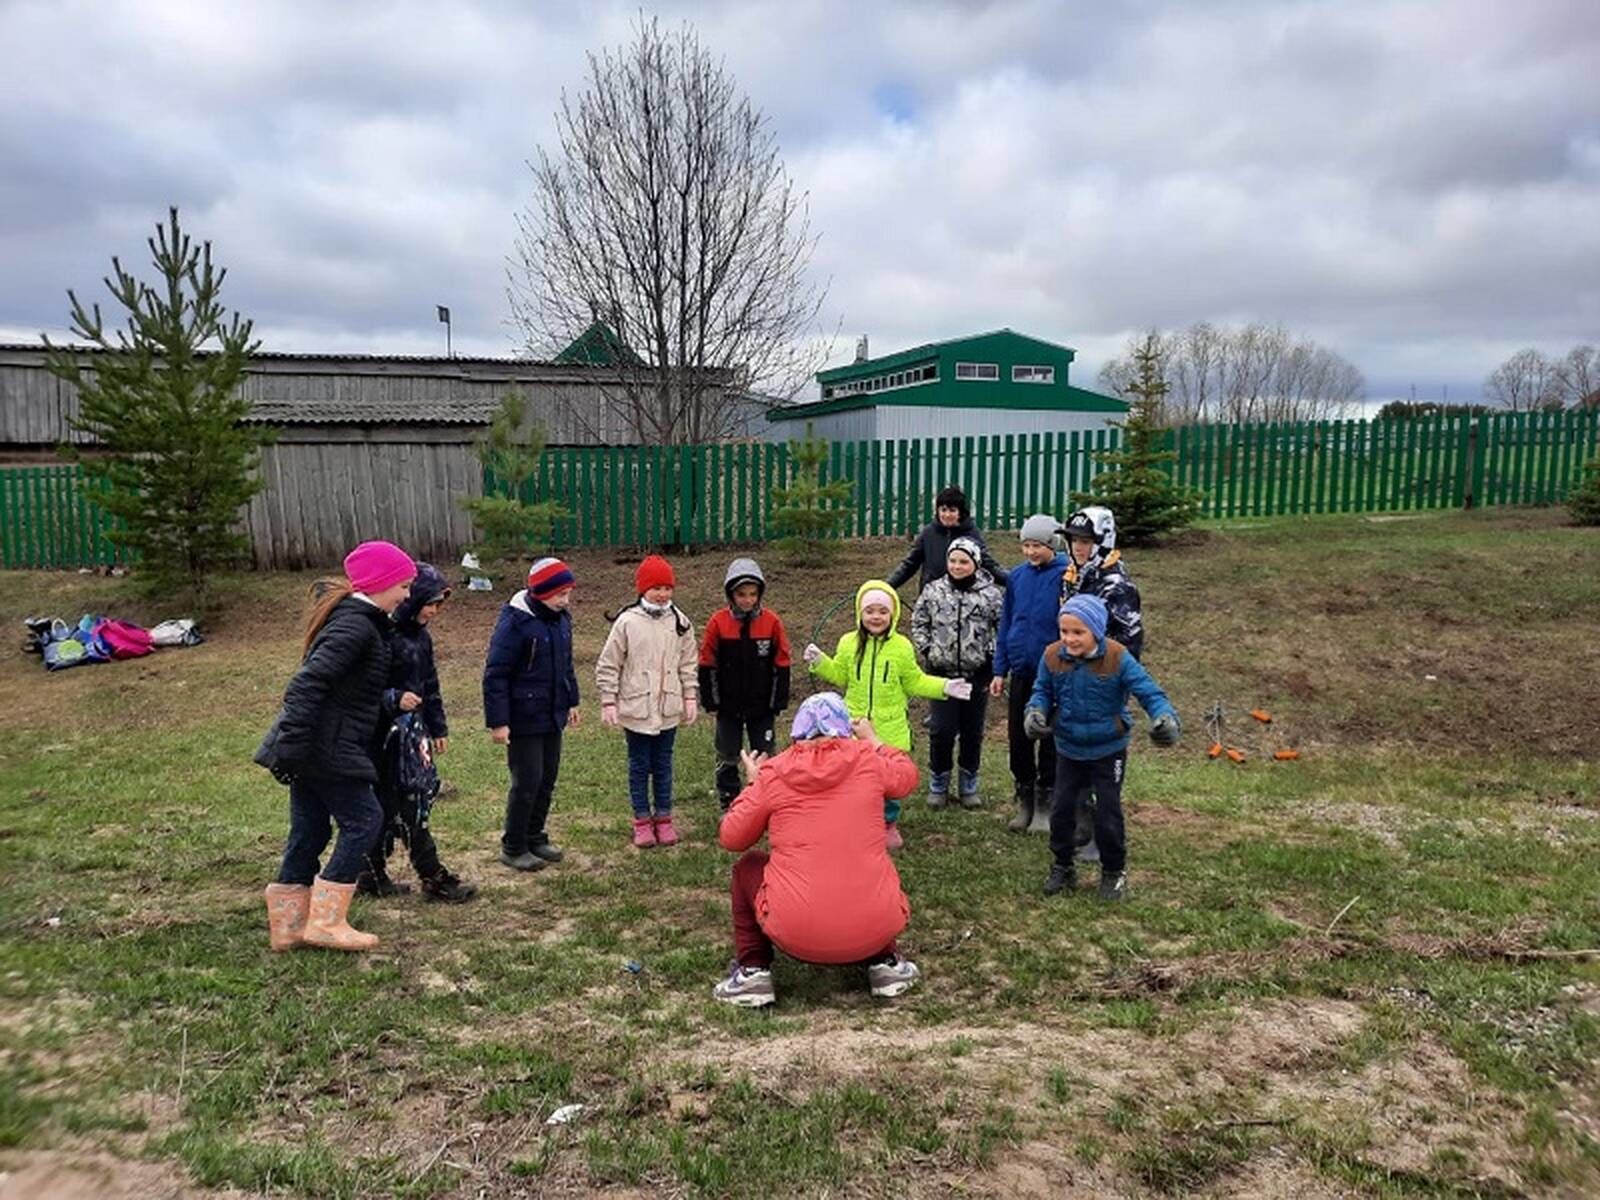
column 328, row 497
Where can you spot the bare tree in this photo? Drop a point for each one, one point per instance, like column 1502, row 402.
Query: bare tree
column 1579, row 373
column 1253, row 373
column 664, row 219
column 1525, row 382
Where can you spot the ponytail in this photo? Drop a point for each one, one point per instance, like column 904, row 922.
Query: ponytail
column 325, row 597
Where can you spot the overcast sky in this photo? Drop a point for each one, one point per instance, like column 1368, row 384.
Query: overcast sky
column 1414, row 184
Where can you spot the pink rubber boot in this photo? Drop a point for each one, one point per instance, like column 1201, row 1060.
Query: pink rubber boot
column 666, row 835
column 644, row 833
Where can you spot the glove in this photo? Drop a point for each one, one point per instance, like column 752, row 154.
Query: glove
column 811, row 653
column 958, row 689
column 1035, row 724
column 1164, row 731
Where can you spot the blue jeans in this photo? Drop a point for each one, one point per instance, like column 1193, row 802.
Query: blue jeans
column 312, row 804
column 650, row 759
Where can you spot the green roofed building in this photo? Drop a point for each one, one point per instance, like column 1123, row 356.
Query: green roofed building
column 991, row 383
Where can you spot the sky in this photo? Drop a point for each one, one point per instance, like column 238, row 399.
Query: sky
column 1414, row 185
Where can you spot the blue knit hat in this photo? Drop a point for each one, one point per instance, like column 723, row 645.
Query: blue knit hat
column 1091, row 610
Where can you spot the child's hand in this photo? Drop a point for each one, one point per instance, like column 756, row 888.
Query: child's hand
column 440, row 745
column 608, row 715
column 1035, row 724
column 691, row 710
column 750, row 761
column 410, row 701
column 958, row 689
column 811, row 653
column 574, row 717
column 1164, row 731
column 997, row 685
column 864, row 731
column 500, row 735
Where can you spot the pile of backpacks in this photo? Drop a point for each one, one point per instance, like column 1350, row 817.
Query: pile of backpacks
column 97, row 639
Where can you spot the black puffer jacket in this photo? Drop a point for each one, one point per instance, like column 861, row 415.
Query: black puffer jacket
column 933, row 545
column 328, row 724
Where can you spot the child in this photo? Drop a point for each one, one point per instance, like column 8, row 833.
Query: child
column 1086, row 678
column 1027, row 626
column 415, row 707
column 1095, row 568
column 744, row 672
column 827, row 892
column 877, row 668
column 953, row 627
column 530, row 695
column 930, row 551
column 321, row 746
column 646, row 676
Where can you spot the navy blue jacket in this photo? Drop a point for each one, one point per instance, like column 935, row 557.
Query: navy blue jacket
column 528, row 680
column 413, row 668
column 1090, row 697
column 1028, row 616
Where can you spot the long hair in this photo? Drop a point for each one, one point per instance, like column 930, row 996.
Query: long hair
column 325, row 596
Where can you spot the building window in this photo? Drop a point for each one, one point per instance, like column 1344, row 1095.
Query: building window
column 1033, row 374
column 977, row 370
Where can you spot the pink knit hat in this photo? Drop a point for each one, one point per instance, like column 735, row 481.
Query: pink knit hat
column 373, row 566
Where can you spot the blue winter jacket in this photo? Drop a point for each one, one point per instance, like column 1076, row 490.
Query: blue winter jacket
column 1028, row 616
column 528, row 680
column 1090, row 698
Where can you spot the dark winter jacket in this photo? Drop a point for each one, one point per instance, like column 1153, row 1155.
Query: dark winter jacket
column 1028, row 617
column 1090, row 697
column 413, row 668
column 1109, row 580
column 744, row 664
column 954, row 628
column 328, row 725
column 933, row 544
column 528, row 680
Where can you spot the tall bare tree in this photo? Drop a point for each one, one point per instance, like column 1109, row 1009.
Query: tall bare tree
column 1580, row 377
column 1526, row 382
column 664, row 218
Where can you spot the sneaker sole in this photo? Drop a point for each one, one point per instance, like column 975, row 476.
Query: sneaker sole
column 890, row 990
column 748, row 1001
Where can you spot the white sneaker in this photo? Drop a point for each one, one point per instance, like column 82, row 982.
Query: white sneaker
column 893, row 977
column 747, row 987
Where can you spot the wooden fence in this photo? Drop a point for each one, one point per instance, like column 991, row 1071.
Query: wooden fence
column 639, row 496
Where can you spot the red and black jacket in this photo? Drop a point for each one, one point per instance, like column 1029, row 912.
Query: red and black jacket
column 744, row 664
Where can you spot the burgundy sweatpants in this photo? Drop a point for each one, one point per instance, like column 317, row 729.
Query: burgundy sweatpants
column 751, row 945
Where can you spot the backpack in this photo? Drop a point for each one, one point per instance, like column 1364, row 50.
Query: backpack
column 124, row 639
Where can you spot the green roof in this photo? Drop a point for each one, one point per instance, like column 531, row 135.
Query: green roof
column 944, row 349
column 598, row 346
column 1061, row 398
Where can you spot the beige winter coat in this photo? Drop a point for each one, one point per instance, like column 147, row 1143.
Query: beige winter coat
column 648, row 668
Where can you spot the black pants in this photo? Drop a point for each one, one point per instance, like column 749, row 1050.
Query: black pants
column 1104, row 777
column 953, row 719
column 409, row 822
column 535, row 760
column 1031, row 762
column 732, row 730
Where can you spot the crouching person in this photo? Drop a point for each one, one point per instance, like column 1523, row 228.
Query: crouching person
column 827, row 892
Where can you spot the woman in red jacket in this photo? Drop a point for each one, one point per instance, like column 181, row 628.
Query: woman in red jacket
column 827, row 893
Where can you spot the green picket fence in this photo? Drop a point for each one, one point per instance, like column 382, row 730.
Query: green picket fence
column 47, row 521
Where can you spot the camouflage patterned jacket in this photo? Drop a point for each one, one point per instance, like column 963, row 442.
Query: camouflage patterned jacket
column 1109, row 580
column 954, row 630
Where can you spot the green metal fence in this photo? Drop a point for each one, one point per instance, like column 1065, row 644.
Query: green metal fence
column 697, row 495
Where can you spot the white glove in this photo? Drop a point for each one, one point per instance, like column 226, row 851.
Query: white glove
column 811, row 653
column 958, row 689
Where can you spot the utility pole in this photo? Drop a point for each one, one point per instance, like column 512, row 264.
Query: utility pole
column 444, row 316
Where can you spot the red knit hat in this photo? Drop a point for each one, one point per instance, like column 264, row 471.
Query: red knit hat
column 653, row 572
column 549, row 576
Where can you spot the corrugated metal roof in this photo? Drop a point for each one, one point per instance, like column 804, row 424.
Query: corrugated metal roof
column 329, row 356
column 334, row 412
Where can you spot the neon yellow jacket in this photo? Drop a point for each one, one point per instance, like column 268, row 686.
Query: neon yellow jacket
column 882, row 683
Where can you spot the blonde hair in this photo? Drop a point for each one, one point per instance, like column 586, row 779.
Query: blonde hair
column 324, row 598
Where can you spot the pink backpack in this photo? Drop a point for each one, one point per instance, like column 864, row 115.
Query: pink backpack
column 126, row 640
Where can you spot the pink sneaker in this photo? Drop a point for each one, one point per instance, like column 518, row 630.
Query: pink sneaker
column 666, row 835
column 891, row 837
column 644, row 833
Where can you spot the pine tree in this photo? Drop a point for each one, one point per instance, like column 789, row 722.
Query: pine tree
column 507, row 525
column 172, row 461
column 809, row 513
column 1583, row 501
column 1137, row 489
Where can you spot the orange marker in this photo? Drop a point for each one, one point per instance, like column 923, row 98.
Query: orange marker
column 1286, row 755
column 1215, row 751
column 1261, row 715
column 1235, row 754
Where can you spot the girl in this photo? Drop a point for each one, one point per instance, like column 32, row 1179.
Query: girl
column 953, row 627
column 647, row 680
column 530, row 695
column 877, row 668
column 321, row 745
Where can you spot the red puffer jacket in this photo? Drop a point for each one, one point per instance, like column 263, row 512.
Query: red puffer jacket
column 830, row 893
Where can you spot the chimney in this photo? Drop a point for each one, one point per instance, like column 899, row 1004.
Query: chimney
column 861, row 348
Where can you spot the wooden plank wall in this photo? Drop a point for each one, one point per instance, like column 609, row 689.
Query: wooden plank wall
column 322, row 497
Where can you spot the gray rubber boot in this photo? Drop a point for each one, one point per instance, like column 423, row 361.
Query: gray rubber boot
column 1024, row 814
column 1042, row 808
column 939, row 789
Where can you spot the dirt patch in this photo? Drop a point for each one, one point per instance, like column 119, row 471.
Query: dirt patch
column 82, row 1175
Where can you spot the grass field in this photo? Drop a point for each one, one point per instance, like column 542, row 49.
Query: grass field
column 1362, row 973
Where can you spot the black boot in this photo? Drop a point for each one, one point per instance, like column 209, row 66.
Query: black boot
column 375, row 881
column 448, row 887
column 1043, row 805
column 1061, row 879
column 1024, row 816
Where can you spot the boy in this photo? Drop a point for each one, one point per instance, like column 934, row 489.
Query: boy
column 1091, row 735
column 744, row 672
column 1027, row 626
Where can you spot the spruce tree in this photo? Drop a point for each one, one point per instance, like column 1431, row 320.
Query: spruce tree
column 1583, row 501
column 809, row 513
column 509, row 526
column 1137, row 488
column 171, row 460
